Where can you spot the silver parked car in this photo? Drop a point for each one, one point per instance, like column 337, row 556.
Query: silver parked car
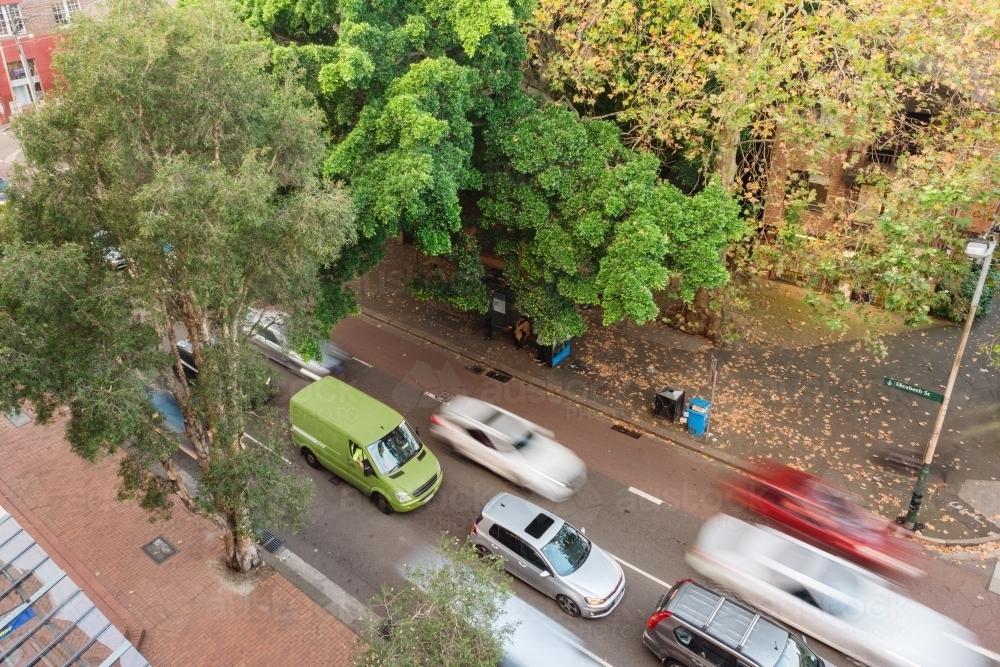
column 837, row 602
column 267, row 332
column 510, row 446
column 551, row 555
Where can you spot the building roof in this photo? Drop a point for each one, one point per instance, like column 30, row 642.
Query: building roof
column 45, row 617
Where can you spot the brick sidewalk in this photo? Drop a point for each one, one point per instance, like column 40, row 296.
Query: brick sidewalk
column 188, row 613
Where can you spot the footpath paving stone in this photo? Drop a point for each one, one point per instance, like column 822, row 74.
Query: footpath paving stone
column 190, row 612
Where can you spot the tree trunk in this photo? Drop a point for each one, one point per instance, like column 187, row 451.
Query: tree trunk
column 241, row 549
column 725, row 159
column 705, row 318
column 241, row 553
column 174, row 475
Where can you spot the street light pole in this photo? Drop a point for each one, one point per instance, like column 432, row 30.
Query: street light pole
column 976, row 249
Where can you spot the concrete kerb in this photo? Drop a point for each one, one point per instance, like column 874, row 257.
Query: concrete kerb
column 332, row 598
column 669, row 436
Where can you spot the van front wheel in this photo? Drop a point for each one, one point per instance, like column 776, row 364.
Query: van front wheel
column 381, row 503
column 310, row 458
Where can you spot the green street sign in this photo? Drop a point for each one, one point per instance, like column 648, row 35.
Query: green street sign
column 913, row 389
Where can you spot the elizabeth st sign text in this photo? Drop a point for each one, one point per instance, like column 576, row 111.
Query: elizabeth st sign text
column 913, row 389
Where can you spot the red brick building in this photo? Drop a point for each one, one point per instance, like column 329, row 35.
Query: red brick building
column 29, row 31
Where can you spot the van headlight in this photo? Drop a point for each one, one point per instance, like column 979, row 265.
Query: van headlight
column 595, row 601
column 403, row 497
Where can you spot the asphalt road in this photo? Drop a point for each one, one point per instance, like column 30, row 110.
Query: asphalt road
column 360, row 549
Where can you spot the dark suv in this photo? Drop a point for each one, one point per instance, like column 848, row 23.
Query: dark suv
column 693, row 626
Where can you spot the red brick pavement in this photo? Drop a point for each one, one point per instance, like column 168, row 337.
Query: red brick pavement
column 184, row 608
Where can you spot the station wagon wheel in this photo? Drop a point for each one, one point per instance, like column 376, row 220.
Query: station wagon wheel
column 568, row 605
column 310, row 458
column 482, row 551
column 381, row 503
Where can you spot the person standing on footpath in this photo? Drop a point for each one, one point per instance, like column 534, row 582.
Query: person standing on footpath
column 489, row 324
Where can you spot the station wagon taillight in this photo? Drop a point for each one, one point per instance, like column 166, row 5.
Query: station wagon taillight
column 656, row 618
column 478, row 519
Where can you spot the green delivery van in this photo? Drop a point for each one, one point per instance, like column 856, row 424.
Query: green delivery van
column 337, row 427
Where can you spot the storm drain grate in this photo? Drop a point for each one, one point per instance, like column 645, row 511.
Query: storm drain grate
column 499, row 376
column 632, row 433
column 270, row 542
column 477, row 369
column 445, row 396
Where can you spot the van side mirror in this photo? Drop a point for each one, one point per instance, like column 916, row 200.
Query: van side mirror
column 368, row 469
column 545, row 573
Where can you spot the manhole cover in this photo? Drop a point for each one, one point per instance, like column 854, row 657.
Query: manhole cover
column 160, row 549
column 18, row 419
column 477, row 369
column 499, row 376
column 627, row 431
column 445, row 396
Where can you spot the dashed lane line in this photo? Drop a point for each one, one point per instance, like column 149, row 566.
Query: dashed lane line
column 643, row 494
column 645, row 574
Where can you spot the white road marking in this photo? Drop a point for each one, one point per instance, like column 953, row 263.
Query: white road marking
column 363, row 363
column 430, row 395
column 308, row 374
column 588, row 653
column 643, row 494
column 978, row 649
column 645, row 574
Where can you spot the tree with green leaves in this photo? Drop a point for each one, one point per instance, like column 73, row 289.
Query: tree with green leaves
column 725, row 82
column 581, row 220
column 450, row 612
column 403, row 84
column 427, row 103
column 168, row 146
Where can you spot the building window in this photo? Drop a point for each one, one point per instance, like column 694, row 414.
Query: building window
column 815, row 185
column 64, row 9
column 16, row 69
column 10, row 20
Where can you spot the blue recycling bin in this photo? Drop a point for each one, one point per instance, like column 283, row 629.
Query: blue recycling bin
column 698, row 411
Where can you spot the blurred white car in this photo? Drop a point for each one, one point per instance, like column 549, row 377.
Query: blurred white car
column 510, row 446
column 835, row 601
column 267, row 332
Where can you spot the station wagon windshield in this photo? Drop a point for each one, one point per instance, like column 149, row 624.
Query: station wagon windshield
column 567, row 550
column 395, row 449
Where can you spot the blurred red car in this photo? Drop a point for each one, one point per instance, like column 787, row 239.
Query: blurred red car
column 826, row 515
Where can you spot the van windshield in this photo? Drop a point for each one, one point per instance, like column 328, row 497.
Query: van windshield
column 395, row 449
